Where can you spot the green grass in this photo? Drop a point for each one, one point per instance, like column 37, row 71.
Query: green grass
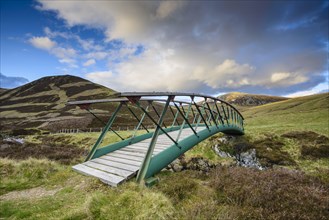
column 304, row 113
column 292, row 191
column 79, row 197
column 25, row 174
column 83, row 140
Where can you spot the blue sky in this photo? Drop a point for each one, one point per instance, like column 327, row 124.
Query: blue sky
column 278, row 48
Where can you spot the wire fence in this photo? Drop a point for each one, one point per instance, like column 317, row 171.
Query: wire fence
column 89, row 130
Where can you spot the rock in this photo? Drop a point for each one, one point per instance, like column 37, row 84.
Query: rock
column 14, row 140
column 243, row 158
column 249, row 159
column 195, row 163
column 4, row 146
column 199, row 163
column 221, row 153
column 176, row 166
column 226, row 139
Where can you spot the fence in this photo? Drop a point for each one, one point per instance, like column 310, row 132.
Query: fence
column 89, row 130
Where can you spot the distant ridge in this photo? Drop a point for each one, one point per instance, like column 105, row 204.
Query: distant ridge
column 245, row 99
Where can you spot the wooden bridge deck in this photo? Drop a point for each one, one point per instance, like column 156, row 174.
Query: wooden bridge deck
column 123, row 164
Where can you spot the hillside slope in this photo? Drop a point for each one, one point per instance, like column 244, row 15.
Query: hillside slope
column 245, row 99
column 45, row 99
column 302, row 113
column 2, row 90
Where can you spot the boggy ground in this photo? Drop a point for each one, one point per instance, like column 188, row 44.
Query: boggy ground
column 292, row 187
column 290, row 138
column 48, row 148
column 221, row 193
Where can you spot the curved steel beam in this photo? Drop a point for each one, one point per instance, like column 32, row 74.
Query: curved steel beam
column 161, row 160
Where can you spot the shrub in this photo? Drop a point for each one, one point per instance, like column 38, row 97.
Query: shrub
column 178, row 187
column 312, row 145
column 130, row 203
column 318, row 151
column 271, row 194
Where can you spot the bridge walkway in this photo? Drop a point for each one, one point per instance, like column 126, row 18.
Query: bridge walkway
column 123, row 164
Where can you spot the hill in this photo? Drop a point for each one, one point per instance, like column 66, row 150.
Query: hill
column 41, row 104
column 301, row 113
column 2, row 90
column 43, row 101
column 245, row 99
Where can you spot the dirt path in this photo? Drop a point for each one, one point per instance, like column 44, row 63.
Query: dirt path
column 34, row 193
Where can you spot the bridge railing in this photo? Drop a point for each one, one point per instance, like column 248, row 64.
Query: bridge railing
column 166, row 112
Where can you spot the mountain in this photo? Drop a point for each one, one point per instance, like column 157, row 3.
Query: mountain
column 245, row 99
column 42, row 102
column 2, row 90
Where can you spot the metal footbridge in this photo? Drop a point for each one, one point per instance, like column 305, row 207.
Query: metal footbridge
column 179, row 120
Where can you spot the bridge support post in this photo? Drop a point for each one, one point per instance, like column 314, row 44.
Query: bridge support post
column 146, row 162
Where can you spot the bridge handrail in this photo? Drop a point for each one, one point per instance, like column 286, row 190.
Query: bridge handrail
column 136, row 94
column 140, row 94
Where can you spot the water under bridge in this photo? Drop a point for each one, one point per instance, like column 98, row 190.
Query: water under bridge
column 180, row 121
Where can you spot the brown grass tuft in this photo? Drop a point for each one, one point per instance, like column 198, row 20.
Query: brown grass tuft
column 271, row 194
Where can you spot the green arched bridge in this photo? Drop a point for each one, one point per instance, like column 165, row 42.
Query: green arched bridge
column 180, row 121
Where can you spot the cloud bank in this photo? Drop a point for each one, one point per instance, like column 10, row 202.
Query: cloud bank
column 209, row 47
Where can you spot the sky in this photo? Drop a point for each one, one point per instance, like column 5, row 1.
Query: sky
column 211, row 47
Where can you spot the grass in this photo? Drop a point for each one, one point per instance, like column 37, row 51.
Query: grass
column 25, row 174
column 82, row 140
column 79, row 197
column 275, row 194
column 298, row 114
column 298, row 189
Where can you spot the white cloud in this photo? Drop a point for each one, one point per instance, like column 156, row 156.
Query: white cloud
column 228, row 73
column 166, row 8
column 285, row 78
column 42, row 43
column 279, row 76
column 69, row 61
column 315, row 90
column 97, row 55
column 191, row 46
column 89, row 62
column 53, row 34
column 100, row 77
column 65, row 55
